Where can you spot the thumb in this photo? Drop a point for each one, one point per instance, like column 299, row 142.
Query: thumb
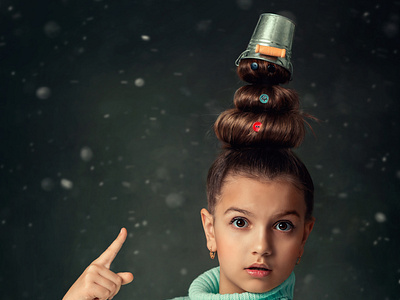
column 126, row 277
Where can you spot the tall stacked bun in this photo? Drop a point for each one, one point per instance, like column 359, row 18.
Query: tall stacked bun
column 274, row 109
column 259, row 133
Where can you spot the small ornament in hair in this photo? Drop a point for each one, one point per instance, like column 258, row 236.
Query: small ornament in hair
column 254, row 66
column 264, row 98
column 257, row 126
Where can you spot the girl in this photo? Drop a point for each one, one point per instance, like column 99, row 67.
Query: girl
column 260, row 194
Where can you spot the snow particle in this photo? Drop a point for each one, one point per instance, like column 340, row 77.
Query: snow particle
column 174, row 200
column 139, row 82
column 308, row 278
column 204, row 25
column 390, row 29
column 244, row 4
column 47, row 184
column 380, row 217
column 52, row 29
column 43, row 93
column 66, row 184
column 145, row 38
column 126, row 184
column 183, row 271
column 86, row 154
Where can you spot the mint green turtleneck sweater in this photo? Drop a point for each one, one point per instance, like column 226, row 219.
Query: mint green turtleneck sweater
column 206, row 287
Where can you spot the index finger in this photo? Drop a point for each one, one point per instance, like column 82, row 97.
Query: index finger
column 107, row 257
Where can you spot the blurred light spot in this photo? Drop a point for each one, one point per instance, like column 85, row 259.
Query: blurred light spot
column 139, row 82
column 43, row 93
column 126, row 184
column 183, row 271
column 390, row 29
column 174, row 200
column 203, row 26
column 244, row 4
column 308, row 279
column 47, row 184
column 380, row 217
column 145, row 38
column 66, row 184
column 86, row 154
column 52, row 29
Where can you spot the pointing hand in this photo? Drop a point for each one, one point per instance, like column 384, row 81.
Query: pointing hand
column 97, row 282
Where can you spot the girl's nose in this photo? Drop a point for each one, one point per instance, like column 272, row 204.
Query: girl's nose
column 262, row 243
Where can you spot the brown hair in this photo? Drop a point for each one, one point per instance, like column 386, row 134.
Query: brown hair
column 264, row 154
column 266, row 73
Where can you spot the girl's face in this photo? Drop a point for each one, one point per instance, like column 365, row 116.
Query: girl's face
column 259, row 231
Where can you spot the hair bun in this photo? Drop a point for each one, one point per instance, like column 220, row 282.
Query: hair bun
column 265, row 116
column 263, row 98
column 262, row 72
column 235, row 129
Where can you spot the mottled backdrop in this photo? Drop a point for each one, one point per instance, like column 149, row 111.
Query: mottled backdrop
column 106, row 109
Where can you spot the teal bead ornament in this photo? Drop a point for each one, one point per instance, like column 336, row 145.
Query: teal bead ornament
column 264, row 98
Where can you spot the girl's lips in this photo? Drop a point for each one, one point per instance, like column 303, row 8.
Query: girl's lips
column 258, row 270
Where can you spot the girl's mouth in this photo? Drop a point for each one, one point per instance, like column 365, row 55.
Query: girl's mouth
column 258, row 271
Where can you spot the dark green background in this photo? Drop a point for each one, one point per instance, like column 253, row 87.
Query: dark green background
column 154, row 143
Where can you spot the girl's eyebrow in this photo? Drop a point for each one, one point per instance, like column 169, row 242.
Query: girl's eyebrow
column 239, row 210
column 287, row 213
column 250, row 214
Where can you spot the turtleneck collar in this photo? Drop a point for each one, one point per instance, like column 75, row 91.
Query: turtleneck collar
column 206, row 286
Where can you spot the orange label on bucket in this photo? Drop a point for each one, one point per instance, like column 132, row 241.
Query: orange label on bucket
column 270, row 51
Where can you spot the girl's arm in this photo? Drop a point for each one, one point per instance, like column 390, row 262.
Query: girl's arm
column 97, row 282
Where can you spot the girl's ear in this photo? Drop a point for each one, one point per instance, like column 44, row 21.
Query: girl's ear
column 308, row 227
column 208, row 226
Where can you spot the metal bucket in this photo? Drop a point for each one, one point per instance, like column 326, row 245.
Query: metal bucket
column 274, row 36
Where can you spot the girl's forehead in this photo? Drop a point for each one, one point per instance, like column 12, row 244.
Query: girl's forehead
column 267, row 196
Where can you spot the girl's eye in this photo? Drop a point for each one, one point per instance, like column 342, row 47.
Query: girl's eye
column 239, row 223
column 284, row 226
